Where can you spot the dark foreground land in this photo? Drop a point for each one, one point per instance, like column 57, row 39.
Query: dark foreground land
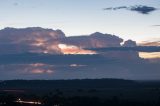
column 87, row 92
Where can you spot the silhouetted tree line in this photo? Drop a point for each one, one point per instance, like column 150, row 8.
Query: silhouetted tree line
column 51, row 84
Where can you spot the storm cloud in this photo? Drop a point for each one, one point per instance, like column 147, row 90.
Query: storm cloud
column 142, row 9
column 38, row 53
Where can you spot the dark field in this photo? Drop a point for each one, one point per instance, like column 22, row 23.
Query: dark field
column 87, row 92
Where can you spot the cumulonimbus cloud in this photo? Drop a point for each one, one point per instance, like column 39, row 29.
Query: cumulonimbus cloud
column 138, row 8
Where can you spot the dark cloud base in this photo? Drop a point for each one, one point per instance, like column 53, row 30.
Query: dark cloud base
column 137, row 48
column 28, row 66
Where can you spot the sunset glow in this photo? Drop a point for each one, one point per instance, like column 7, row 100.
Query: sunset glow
column 39, row 42
column 41, row 71
column 71, row 49
column 77, row 65
column 37, row 64
column 147, row 55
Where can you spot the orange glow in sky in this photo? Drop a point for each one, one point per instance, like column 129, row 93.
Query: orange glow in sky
column 39, row 42
column 71, row 49
column 41, row 71
column 147, row 55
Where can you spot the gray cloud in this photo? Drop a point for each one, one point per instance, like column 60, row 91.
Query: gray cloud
column 142, row 9
column 116, row 8
column 15, row 4
column 155, row 25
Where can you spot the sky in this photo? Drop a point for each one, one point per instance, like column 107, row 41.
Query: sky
column 83, row 17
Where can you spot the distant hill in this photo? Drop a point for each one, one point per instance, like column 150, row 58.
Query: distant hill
column 51, row 84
